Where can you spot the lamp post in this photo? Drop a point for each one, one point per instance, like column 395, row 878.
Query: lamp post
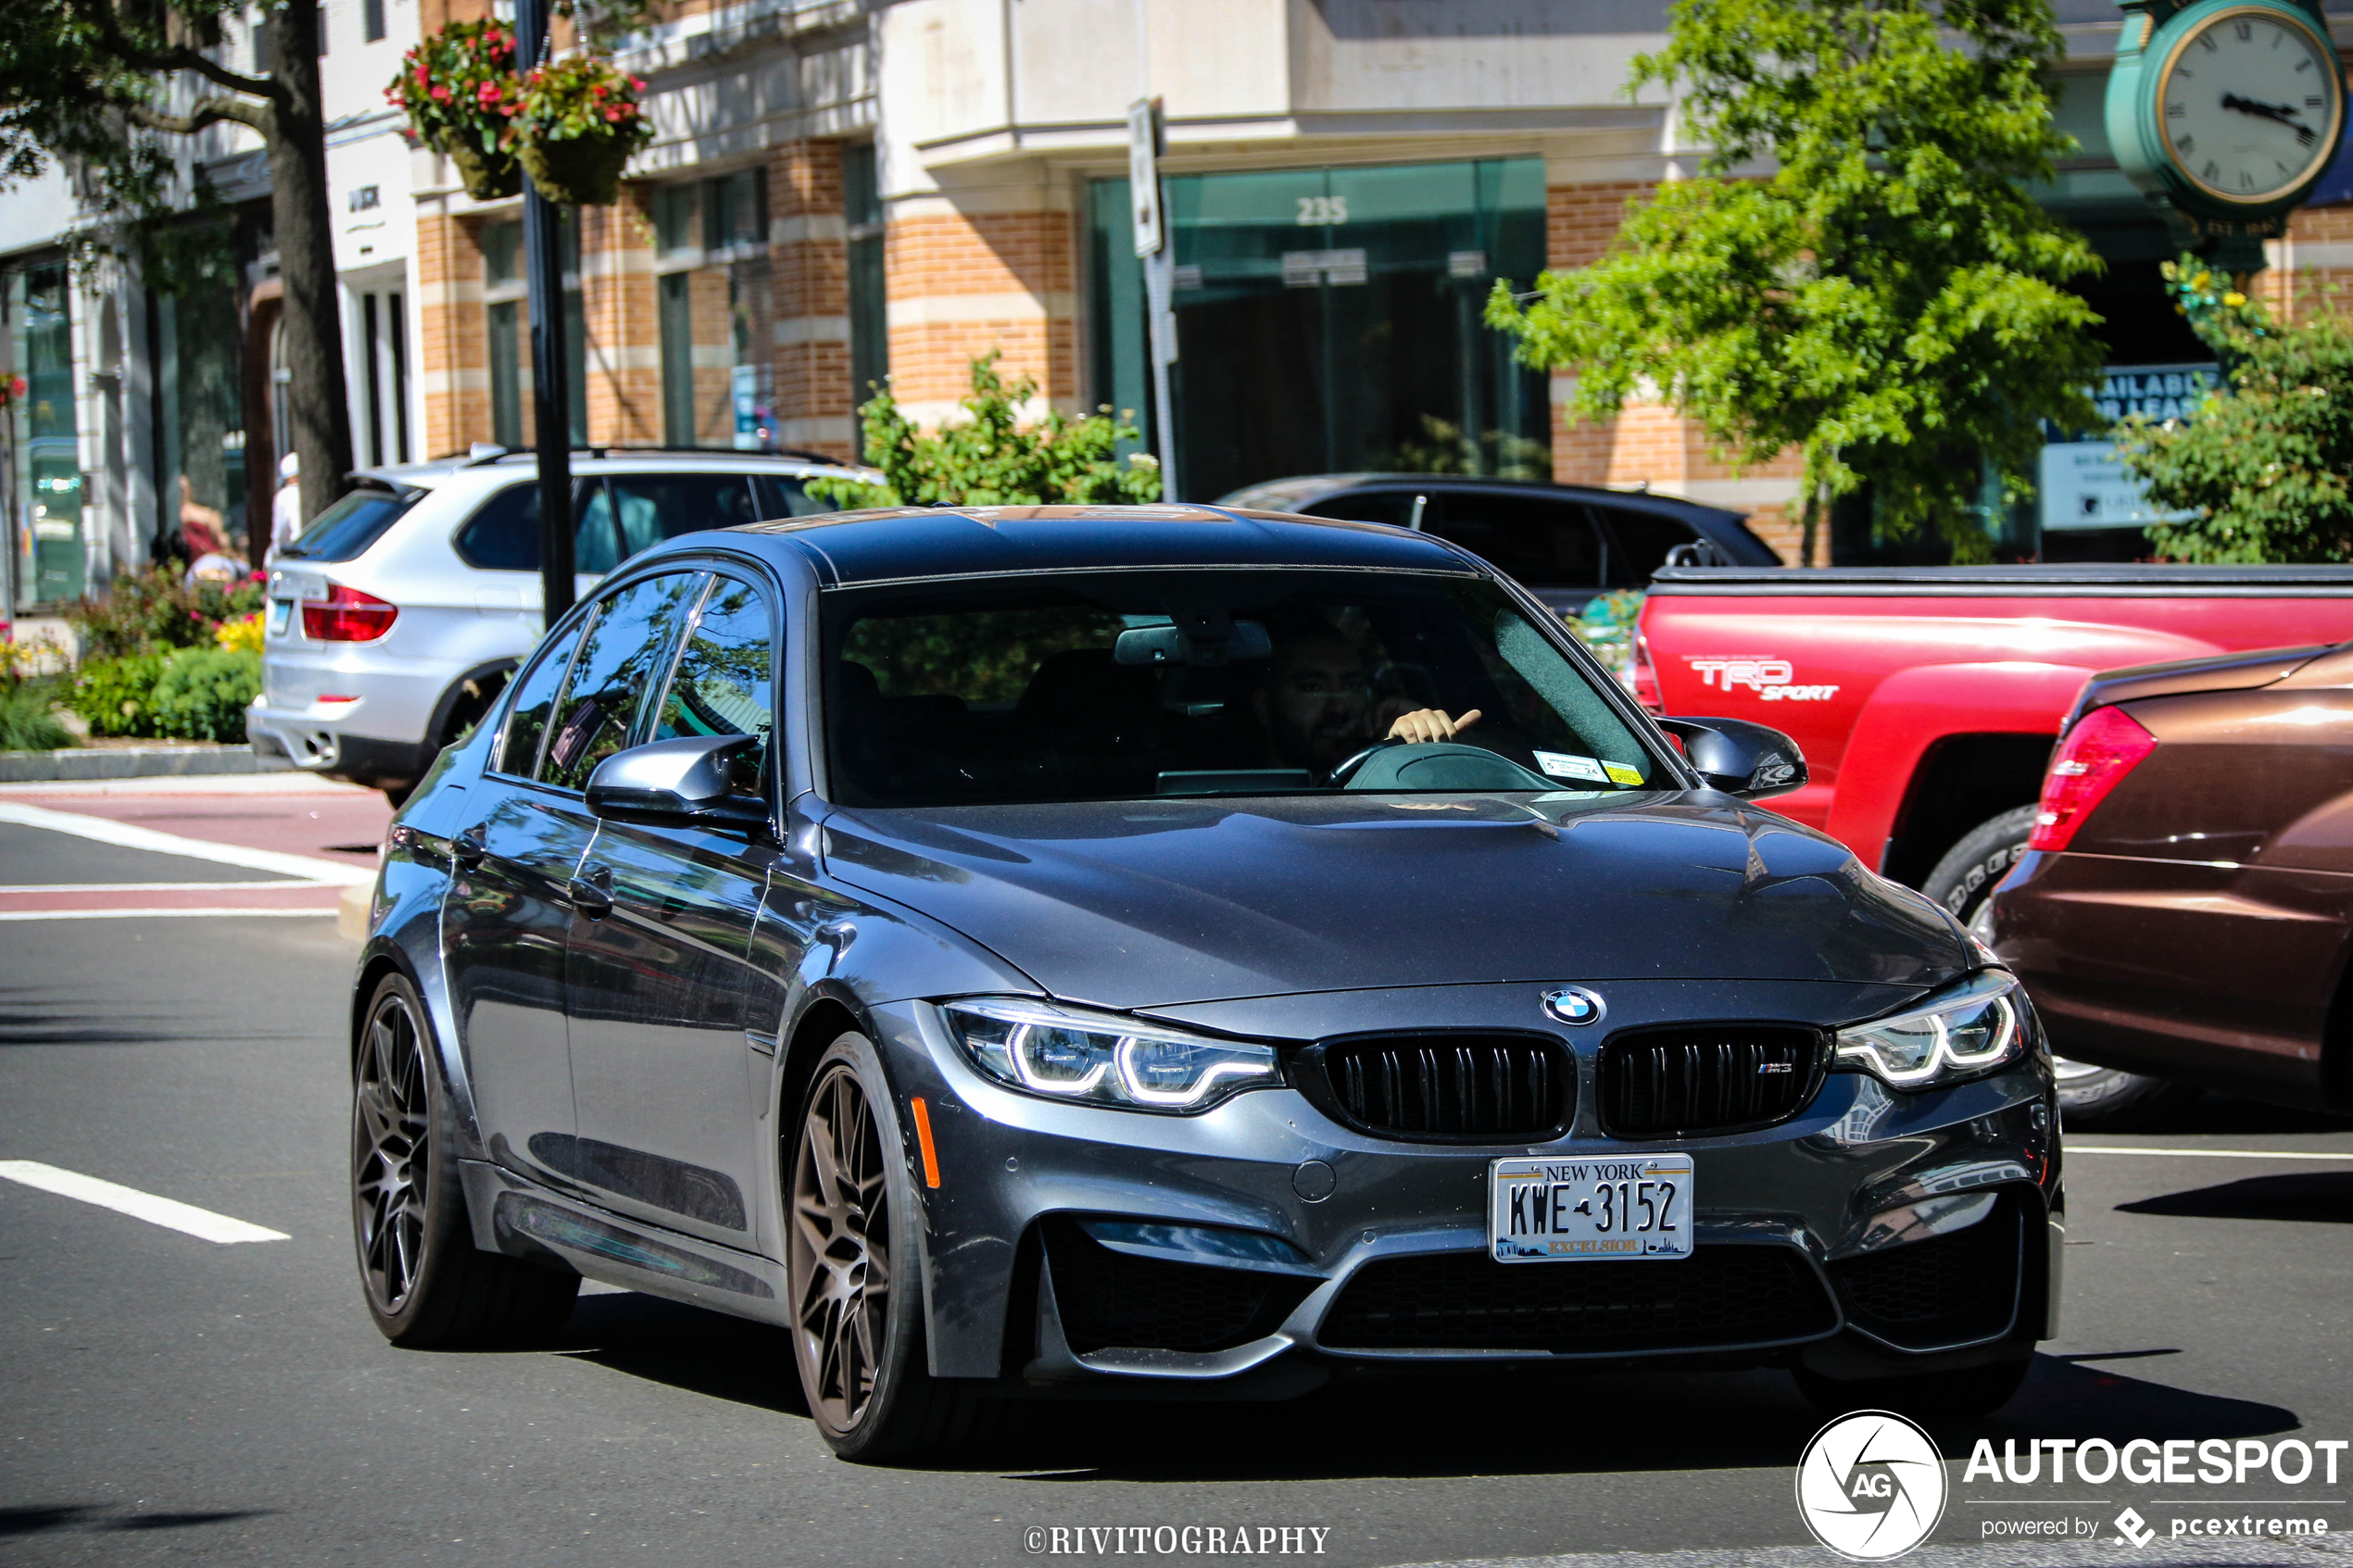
column 550, row 399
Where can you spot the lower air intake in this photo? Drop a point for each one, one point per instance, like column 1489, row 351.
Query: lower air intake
column 1949, row 1290
column 1719, row 1296
column 1107, row 1299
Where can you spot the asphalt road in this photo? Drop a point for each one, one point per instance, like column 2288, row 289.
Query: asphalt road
column 168, row 1398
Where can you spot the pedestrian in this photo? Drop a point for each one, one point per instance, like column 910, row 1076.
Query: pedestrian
column 286, row 506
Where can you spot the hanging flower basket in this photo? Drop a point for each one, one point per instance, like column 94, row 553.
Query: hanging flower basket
column 460, row 92
column 577, row 128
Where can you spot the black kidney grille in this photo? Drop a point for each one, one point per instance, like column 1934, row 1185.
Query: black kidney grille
column 1705, row 1078
column 1466, row 1300
column 1449, row 1086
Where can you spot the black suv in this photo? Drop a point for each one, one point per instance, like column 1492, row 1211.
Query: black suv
column 1567, row 542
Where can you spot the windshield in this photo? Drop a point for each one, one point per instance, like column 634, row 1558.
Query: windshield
column 1209, row 682
column 345, row 531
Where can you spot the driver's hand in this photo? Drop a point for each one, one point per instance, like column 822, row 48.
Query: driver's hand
column 1427, row 725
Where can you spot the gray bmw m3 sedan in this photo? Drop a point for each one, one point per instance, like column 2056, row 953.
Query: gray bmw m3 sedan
column 1170, row 949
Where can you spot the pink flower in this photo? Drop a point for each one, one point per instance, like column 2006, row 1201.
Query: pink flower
column 612, row 114
column 441, row 95
column 638, row 82
column 486, row 93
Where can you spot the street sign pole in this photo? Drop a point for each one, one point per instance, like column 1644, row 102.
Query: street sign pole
column 1146, row 142
column 550, row 399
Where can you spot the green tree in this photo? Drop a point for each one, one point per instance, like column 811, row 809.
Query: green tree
column 1885, row 296
column 2264, row 470
column 990, row 458
column 89, row 84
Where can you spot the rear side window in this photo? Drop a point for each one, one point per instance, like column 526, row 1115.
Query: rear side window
column 782, row 495
column 724, row 684
column 503, row 535
column 620, row 659
column 535, row 699
column 1543, row 542
column 650, row 508
column 345, row 531
column 1640, row 543
column 1394, row 507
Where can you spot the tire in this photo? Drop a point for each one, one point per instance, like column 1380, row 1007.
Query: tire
column 1931, row 1396
column 424, row 1281
column 2107, row 1098
column 861, row 1351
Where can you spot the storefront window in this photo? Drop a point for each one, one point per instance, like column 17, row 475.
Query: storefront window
column 869, row 317
column 715, row 300
column 1329, row 320
column 200, row 434
column 505, row 292
column 49, row 561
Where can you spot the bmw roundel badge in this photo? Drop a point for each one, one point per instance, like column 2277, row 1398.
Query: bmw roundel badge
column 1574, row 1005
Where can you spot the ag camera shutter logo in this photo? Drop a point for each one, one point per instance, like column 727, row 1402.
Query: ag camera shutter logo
column 1871, row 1486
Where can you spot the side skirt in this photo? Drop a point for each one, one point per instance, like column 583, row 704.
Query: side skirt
column 524, row 1220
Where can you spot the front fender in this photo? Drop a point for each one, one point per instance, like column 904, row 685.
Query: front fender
column 1913, row 709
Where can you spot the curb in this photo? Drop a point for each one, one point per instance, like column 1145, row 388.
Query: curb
column 134, row 762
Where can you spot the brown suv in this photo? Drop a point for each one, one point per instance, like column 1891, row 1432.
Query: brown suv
column 2185, row 907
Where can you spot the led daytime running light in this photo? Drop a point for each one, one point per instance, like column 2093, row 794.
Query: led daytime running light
column 1973, row 1030
column 1101, row 1058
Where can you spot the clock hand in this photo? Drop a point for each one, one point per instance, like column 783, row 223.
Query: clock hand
column 2274, row 112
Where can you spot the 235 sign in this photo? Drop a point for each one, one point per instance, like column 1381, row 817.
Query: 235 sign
column 1315, row 212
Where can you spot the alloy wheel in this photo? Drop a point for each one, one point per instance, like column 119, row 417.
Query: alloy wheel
column 840, row 1257
column 391, row 1145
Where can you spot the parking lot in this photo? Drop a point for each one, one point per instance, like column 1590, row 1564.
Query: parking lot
column 171, row 1397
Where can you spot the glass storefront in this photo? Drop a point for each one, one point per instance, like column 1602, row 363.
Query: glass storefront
column 201, row 432
column 48, row 547
column 1328, row 319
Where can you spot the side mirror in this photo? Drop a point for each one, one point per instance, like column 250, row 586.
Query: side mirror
column 682, row 780
column 1738, row 757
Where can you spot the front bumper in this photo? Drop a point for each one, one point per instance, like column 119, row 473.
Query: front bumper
column 1075, row 1244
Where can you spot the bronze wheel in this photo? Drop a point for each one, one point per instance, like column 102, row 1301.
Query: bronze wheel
column 840, row 1253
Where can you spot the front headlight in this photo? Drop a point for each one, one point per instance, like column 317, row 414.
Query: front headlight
column 1102, row 1058
column 1976, row 1026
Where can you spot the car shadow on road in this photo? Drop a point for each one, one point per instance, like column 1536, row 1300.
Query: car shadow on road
column 2322, row 1196
column 703, row 1352
column 41, row 1521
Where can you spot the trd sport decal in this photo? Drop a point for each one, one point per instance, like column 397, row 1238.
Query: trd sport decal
column 1768, row 678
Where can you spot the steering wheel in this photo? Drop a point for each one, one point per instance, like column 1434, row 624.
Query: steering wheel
column 1339, row 776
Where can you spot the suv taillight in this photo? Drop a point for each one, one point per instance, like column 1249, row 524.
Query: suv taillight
column 2105, row 745
column 347, row 616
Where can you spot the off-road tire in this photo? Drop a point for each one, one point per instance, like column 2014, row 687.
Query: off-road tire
column 864, row 1366
column 2106, row 1098
column 425, row 1283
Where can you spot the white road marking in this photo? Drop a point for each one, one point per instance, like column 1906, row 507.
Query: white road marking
column 6, row 888
column 131, row 836
column 167, row 1212
column 2205, row 1153
column 158, row 914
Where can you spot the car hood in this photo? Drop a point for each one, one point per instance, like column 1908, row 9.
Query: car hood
column 1133, row 904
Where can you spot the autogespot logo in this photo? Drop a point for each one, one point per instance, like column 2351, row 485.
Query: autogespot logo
column 1871, row 1486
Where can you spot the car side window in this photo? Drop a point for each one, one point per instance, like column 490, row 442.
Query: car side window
column 1394, row 507
column 724, row 681
column 782, row 495
column 654, row 506
column 535, row 699
column 1639, row 543
column 624, row 649
column 503, row 534
column 1542, row 541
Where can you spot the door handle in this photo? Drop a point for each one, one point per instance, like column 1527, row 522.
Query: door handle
column 467, row 848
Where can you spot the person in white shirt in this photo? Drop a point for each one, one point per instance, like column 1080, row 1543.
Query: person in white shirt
column 286, row 506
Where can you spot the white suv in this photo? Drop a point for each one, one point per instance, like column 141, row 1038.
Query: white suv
column 400, row 612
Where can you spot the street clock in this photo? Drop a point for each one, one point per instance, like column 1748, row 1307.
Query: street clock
column 2227, row 112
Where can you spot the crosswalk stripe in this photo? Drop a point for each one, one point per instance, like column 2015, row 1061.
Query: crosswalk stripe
column 167, row 1211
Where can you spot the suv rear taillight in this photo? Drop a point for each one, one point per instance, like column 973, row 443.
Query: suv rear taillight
column 347, row 616
column 2105, row 745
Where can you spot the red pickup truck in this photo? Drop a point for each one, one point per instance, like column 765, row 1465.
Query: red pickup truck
column 1926, row 699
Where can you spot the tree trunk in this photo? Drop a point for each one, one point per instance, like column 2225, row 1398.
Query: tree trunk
column 317, row 403
column 1812, row 516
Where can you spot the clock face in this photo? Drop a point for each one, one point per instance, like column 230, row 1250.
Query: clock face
column 2249, row 102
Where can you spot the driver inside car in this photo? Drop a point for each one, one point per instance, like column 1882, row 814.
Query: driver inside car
column 1316, row 706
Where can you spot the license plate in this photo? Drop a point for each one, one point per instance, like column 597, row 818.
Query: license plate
column 1560, row 1211
column 281, row 612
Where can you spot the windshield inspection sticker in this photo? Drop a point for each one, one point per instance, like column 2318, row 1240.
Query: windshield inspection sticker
column 1620, row 773
column 1563, row 766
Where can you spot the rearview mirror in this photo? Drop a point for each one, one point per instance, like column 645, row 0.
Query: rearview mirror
column 1201, row 637
column 1738, row 757
column 683, row 781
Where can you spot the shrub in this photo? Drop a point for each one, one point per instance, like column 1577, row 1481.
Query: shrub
column 27, row 722
column 988, row 458
column 203, row 693
column 156, row 610
column 117, row 695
